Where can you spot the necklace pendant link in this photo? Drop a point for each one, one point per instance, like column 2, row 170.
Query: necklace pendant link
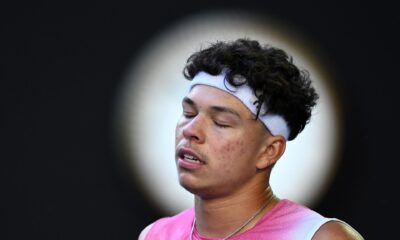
column 242, row 226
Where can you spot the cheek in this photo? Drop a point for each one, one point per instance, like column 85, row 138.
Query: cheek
column 178, row 133
column 233, row 148
column 236, row 161
column 231, row 153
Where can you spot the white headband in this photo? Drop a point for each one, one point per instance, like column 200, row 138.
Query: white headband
column 275, row 123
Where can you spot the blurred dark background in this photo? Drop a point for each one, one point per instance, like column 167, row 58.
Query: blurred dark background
column 61, row 66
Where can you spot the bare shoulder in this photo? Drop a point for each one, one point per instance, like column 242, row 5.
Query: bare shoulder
column 338, row 231
column 144, row 232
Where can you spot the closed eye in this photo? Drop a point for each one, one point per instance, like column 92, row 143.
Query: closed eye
column 188, row 114
column 221, row 125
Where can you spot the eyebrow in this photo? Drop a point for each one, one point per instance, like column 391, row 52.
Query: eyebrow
column 213, row 108
column 188, row 101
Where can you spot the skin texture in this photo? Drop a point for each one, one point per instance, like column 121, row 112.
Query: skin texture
column 226, row 140
column 337, row 230
column 236, row 154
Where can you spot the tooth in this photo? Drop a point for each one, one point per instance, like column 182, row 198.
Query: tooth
column 189, row 157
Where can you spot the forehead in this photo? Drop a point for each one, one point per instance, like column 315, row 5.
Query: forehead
column 203, row 96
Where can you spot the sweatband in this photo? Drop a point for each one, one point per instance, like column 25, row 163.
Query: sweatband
column 275, row 123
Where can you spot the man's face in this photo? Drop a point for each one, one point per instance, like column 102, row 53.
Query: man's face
column 218, row 143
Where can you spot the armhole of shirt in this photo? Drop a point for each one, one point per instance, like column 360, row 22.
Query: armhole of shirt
column 316, row 227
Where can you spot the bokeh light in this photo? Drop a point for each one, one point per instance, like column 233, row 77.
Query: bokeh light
column 150, row 104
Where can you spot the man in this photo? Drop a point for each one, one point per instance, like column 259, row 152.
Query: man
column 245, row 101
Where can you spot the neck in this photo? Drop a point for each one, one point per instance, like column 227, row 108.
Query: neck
column 222, row 216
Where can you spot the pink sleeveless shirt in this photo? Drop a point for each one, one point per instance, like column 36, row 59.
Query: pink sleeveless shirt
column 286, row 221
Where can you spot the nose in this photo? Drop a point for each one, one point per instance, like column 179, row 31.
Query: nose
column 193, row 130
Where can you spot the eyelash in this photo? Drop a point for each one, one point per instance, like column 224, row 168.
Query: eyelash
column 221, row 125
column 190, row 115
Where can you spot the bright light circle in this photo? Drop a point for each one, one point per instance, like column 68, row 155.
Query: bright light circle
column 150, row 105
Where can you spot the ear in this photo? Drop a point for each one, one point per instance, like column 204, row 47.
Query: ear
column 272, row 149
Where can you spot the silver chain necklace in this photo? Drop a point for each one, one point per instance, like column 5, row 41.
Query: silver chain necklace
column 243, row 225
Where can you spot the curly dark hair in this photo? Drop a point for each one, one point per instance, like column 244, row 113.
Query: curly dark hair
column 269, row 71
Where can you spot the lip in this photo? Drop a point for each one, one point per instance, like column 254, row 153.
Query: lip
column 182, row 163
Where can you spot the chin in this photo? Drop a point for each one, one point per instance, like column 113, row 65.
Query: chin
column 200, row 191
column 188, row 185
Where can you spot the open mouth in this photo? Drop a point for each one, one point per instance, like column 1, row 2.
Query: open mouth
column 191, row 158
